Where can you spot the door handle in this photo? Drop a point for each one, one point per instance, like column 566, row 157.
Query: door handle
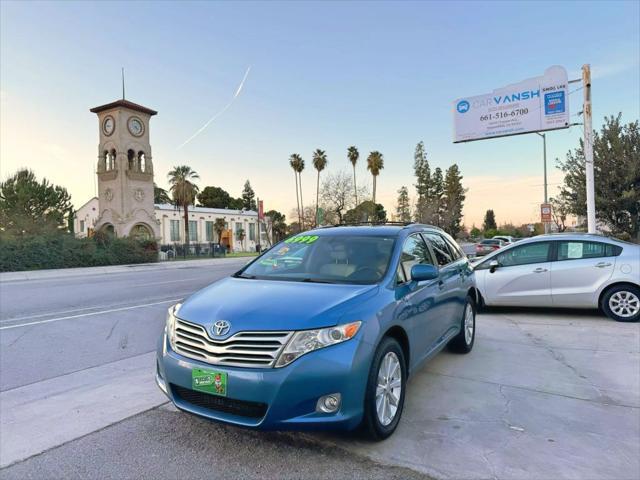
column 540, row 270
column 440, row 284
column 602, row 265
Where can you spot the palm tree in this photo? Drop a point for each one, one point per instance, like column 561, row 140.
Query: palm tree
column 353, row 155
column 375, row 163
column 294, row 161
column 299, row 169
column 319, row 163
column 183, row 190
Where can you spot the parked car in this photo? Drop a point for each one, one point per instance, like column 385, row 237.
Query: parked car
column 508, row 240
column 325, row 341
column 488, row 245
column 564, row 270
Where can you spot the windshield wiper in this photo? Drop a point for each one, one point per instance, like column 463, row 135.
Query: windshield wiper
column 315, row 280
column 242, row 275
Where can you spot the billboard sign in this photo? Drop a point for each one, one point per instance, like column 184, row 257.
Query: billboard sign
column 533, row 105
column 545, row 213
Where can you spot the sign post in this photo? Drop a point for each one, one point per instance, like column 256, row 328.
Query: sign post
column 588, row 150
column 545, row 214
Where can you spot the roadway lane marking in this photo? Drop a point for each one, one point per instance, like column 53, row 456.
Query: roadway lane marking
column 101, row 312
column 169, row 281
column 83, row 309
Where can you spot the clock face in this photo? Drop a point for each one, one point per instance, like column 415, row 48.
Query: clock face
column 108, row 125
column 136, row 127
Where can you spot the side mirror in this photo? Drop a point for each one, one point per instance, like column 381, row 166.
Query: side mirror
column 493, row 264
column 420, row 273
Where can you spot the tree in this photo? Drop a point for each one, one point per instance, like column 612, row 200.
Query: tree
column 31, row 207
column 353, row 155
column 616, row 163
column 296, row 161
column 183, row 190
column 160, row 195
column 319, row 163
column 248, row 197
column 403, row 209
column 475, row 232
column 367, row 211
column 337, row 195
column 375, row 163
column 436, row 199
column 219, row 226
column 489, row 221
column 560, row 208
column 454, row 196
column 214, row 197
column 277, row 225
column 424, row 211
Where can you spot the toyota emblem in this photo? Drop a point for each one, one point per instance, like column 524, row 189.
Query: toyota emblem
column 220, row 328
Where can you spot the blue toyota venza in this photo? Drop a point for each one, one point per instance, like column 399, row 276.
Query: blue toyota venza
column 321, row 331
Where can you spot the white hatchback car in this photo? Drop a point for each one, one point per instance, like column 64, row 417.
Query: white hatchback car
column 564, row 270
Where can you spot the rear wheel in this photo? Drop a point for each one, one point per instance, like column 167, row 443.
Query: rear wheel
column 463, row 342
column 622, row 303
column 384, row 397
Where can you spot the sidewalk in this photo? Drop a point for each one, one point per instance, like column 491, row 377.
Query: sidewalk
column 138, row 267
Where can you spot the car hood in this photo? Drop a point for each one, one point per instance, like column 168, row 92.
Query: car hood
column 273, row 305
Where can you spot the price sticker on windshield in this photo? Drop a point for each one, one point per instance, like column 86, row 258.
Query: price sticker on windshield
column 302, row 239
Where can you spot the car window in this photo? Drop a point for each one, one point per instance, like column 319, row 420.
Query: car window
column 414, row 251
column 324, row 258
column 576, row 249
column 524, row 254
column 491, row 241
column 456, row 252
column 440, row 248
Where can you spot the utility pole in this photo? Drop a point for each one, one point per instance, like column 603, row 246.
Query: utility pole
column 588, row 150
column 544, row 156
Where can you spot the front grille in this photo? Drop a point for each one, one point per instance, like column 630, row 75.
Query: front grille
column 244, row 349
column 241, row 408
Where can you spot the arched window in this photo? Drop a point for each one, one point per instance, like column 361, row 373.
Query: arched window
column 142, row 162
column 110, row 161
column 102, row 164
column 131, row 159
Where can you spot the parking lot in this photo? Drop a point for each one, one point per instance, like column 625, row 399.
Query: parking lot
column 544, row 394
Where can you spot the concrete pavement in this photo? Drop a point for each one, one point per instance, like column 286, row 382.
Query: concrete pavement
column 544, row 394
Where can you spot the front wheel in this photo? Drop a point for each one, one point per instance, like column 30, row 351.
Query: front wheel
column 463, row 341
column 384, row 397
column 622, row 303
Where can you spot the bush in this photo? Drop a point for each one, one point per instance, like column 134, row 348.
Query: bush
column 66, row 251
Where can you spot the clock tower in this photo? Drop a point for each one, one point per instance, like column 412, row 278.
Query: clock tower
column 125, row 171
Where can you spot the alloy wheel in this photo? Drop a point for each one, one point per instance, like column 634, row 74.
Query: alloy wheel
column 468, row 324
column 389, row 388
column 625, row 304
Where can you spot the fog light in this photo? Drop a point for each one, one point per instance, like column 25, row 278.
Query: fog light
column 329, row 403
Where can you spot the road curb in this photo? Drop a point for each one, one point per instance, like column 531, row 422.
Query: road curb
column 136, row 267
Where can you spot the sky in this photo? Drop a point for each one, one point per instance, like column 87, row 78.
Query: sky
column 377, row 75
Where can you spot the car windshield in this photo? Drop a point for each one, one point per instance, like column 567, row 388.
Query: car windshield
column 324, row 259
column 491, row 242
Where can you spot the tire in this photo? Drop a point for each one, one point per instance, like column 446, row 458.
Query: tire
column 377, row 428
column 622, row 303
column 463, row 341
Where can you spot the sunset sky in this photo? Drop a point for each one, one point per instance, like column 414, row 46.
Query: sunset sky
column 377, row 75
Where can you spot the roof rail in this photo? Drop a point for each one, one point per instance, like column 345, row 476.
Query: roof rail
column 381, row 224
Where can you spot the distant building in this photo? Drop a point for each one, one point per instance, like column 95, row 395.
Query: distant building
column 201, row 225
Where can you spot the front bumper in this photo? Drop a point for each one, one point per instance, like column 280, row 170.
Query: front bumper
column 288, row 395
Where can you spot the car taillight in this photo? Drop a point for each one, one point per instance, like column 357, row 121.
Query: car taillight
column 478, row 247
column 495, row 247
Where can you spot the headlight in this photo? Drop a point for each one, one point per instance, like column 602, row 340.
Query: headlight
column 170, row 327
column 306, row 341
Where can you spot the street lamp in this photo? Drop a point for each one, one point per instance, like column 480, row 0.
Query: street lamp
column 544, row 148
